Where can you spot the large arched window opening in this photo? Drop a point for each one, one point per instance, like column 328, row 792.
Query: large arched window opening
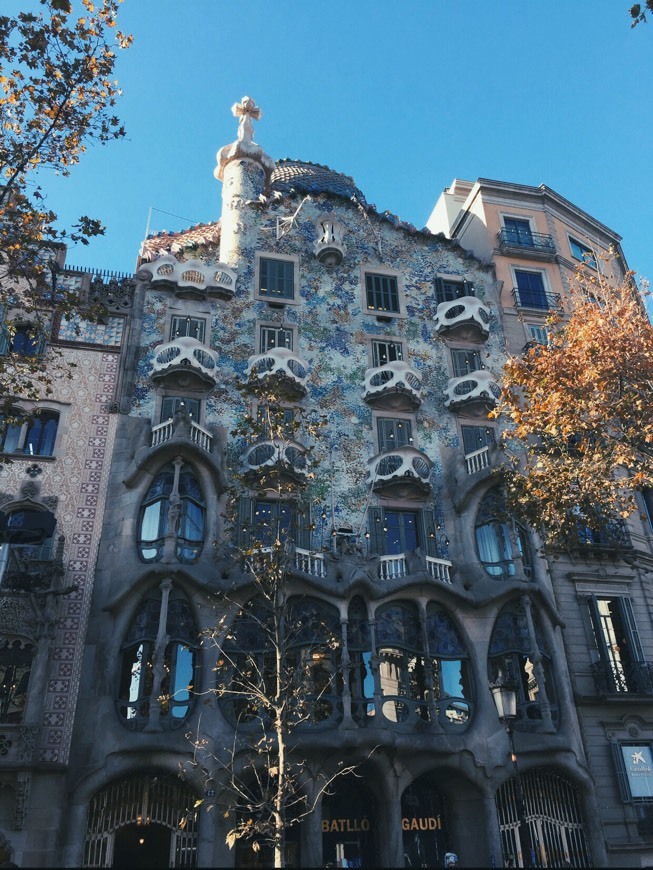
column 499, row 539
column 286, row 658
column 450, row 669
column 16, row 656
column 173, row 509
column 158, row 661
column 551, row 825
column 518, row 651
column 145, row 820
column 425, row 832
column 402, row 673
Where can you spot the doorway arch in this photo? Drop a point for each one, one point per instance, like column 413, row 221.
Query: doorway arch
column 147, row 811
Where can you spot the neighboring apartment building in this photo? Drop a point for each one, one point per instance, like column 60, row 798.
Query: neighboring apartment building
column 395, row 336
column 537, row 240
column 52, row 486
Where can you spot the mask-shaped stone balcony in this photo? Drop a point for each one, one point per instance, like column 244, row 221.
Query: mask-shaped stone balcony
column 404, row 472
column 280, row 370
column 183, row 363
column 393, row 387
column 465, row 318
column 475, row 393
column 192, row 279
column 285, row 460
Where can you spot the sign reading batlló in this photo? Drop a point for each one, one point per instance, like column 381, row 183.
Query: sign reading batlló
column 638, row 763
column 355, row 826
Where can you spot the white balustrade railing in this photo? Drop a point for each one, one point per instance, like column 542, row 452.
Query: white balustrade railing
column 439, row 569
column 310, row 563
column 198, row 434
column 478, row 460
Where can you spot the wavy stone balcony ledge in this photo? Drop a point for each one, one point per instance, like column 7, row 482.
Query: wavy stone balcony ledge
column 466, row 318
column 394, row 386
column 192, row 278
column 183, row 361
column 475, row 393
column 404, row 472
column 282, row 365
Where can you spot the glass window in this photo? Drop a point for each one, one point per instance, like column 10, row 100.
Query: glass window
column 518, row 232
column 537, row 333
column 386, row 351
column 26, row 340
column 402, row 531
column 15, row 666
column 620, row 666
column 11, row 431
column 448, row 290
column 192, row 327
column 393, row 433
column 276, row 278
column 581, row 252
column 176, row 502
column 514, row 653
column 476, row 437
column 171, row 405
column 141, row 684
column 275, row 336
column 382, row 293
column 530, row 289
column 465, row 362
column 33, row 436
column 494, row 541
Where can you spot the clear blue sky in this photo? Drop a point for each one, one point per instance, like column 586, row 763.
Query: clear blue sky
column 403, row 96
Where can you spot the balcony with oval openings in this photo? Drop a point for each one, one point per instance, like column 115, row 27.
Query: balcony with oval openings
column 465, row 318
column 279, row 370
column 475, row 393
column 192, row 279
column 394, row 386
column 184, row 363
column 276, row 457
column 404, row 472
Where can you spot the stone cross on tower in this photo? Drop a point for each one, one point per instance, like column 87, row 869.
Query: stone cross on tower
column 246, row 110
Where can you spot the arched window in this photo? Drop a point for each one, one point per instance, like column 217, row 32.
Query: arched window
column 33, row 435
column 158, row 677
column 290, row 654
column 401, row 663
column 516, row 653
column 174, row 502
column 450, row 668
column 15, row 665
column 497, row 536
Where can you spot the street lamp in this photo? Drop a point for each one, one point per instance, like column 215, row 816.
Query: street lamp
column 504, row 694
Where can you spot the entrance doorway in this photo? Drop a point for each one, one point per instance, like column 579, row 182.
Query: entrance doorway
column 349, row 826
column 137, row 846
column 424, row 825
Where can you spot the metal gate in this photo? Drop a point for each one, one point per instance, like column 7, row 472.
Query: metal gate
column 142, row 800
column 552, row 812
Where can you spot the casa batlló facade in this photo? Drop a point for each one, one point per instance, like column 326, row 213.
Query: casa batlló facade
column 394, row 338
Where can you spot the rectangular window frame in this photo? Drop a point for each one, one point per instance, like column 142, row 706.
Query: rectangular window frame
column 623, row 748
column 582, row 252
column 383, row 314
column 425, row 529
column 537, row 333
column 383, row 350
column 476, row 437
column 386, row 424
column 193, row 327
column 447, row 288
column 273, row 326
column 546, row 287
column 608, row 648
column 276, row 300
column 461, row 357
column 529, row 241
column 192, row 402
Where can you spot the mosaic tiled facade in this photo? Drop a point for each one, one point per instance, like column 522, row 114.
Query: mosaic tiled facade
column 394, row 339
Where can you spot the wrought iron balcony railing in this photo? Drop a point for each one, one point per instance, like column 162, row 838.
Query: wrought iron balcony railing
column 616, row 678
column 540, row 299
column 533, row 243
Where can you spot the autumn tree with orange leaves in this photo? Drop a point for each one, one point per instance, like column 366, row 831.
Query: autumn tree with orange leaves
column 57, row 97
column 580, row 442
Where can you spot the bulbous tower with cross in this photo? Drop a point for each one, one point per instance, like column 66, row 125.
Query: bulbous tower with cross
column 245, row 170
